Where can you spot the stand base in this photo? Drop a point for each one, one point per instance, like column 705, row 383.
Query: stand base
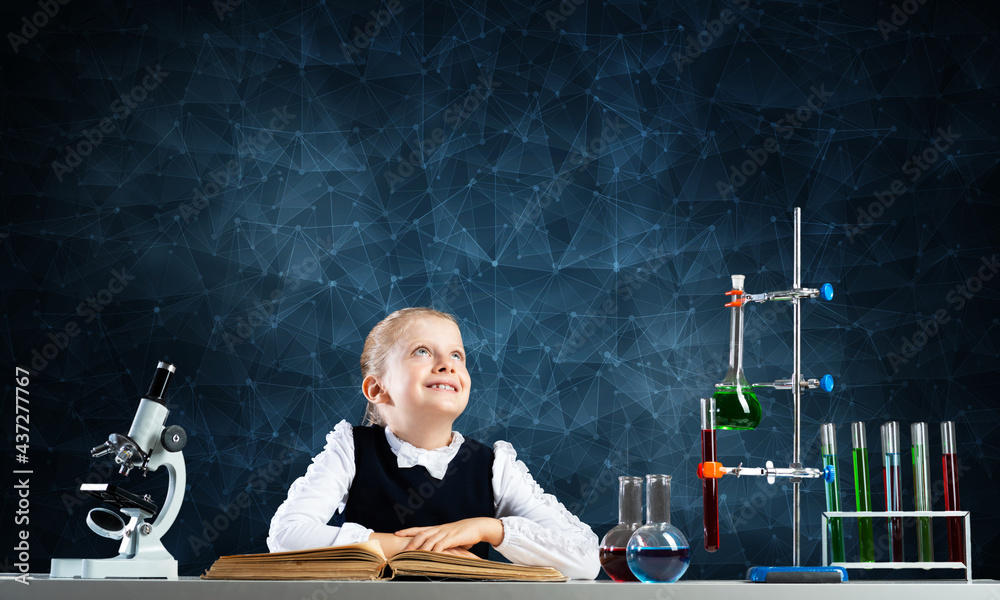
column 797, row 574
column 105, row 568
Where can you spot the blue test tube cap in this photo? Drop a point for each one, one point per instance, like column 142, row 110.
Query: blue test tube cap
column 829, row 474
column 826, row 383
column 826, row 292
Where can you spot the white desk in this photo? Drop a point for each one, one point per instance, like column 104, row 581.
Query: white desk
column 192, row 588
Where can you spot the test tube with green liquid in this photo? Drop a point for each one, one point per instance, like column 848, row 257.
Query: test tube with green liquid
column 922, row 490
column 863, row 492
column 834, row 526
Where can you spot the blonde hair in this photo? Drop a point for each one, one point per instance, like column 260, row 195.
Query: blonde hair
column 381, row 340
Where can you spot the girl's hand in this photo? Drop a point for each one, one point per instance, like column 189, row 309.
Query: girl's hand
column 460, row 534
column 461, row 552
column 391, row 544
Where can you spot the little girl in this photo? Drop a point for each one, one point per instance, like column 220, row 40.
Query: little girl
column 412, row 483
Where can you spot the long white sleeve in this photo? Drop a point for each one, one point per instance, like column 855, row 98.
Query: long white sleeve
column 538, row 530
column 301, row 520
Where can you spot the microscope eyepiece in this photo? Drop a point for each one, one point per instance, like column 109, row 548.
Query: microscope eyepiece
column 161, row 381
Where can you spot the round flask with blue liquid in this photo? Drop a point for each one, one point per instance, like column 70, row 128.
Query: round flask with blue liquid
column 658, row 552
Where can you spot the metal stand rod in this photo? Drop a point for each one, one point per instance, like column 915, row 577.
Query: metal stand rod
column 796, row 390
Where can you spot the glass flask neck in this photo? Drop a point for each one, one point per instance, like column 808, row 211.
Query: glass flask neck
column 657, row 499
column 734, row 376
column 629, row 500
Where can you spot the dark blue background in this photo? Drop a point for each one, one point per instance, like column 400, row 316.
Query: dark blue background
column 589, row 286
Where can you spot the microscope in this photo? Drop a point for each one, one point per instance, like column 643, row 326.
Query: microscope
column 148, row 446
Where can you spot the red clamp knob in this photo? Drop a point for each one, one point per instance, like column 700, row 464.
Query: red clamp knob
column 711, row 470
column 738, row 301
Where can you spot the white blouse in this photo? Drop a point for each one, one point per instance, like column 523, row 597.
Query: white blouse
column 537, row 528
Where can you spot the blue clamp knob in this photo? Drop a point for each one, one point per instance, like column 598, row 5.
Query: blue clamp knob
column 826, row 383
column 829, row 474
column 826, row 292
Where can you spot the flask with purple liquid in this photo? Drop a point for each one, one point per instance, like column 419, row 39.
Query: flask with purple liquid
column 658, row 552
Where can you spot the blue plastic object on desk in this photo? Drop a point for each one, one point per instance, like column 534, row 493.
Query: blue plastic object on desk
column 797, row 574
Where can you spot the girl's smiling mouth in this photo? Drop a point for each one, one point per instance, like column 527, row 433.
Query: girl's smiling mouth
column 442, row 385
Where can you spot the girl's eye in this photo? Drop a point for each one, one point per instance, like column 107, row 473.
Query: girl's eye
column 456, row 355
column 421, row 350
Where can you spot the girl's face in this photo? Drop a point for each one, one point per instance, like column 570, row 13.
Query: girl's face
column 425, row 377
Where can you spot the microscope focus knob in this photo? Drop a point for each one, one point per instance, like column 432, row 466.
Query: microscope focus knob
column 174, row 438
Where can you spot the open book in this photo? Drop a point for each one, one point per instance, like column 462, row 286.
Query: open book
column 366, row 561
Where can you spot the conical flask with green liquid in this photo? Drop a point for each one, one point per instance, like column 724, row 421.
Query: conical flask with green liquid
column 736, row 403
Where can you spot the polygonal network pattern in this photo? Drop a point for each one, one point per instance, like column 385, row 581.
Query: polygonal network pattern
column 246, row 188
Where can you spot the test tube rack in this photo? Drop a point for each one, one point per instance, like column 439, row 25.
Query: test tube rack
column 964, row 514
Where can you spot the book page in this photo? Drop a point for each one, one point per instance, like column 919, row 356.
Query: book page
column 372, row 550
column 356, row 561
column 437, row 564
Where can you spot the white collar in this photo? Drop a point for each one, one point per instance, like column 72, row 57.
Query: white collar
column 435, row 461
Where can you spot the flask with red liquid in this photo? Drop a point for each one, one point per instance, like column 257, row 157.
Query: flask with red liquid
column 613, row 545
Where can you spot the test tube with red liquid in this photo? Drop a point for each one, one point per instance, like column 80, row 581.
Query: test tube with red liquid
column 709, row 485
column 949, row 465
column 892, row 480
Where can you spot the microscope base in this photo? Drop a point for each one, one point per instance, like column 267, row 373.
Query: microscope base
column 104, row 568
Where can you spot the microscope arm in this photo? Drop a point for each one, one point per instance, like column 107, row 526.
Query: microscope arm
column 174, row 463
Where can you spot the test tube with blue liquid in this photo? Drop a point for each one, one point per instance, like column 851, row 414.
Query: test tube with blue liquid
column 893, row 490
column 863, row 492
column 835, row 528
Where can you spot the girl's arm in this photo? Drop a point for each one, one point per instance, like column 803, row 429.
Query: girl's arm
column 537, row 528
column 301, row 520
